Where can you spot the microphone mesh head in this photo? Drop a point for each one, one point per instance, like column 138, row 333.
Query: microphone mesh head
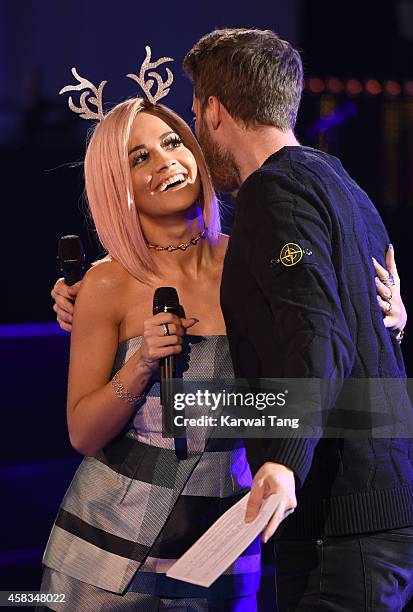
column 70, row 248
column 166, row 299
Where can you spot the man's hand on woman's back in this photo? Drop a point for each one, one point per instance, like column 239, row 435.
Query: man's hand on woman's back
column 64, row 297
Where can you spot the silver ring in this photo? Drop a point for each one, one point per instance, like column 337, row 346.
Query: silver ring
column 165, row 329
column 389, row 282
column 389, row 308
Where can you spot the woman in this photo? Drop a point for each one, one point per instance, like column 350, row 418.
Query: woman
column 113, row 325
column 133, row 507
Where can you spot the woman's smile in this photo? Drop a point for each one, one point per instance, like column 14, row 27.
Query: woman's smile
column 174, row 182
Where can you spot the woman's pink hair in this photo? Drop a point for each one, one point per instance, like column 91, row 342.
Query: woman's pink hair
column 109, row 188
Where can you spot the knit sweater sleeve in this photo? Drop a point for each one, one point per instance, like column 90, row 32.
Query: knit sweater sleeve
column 289, row 253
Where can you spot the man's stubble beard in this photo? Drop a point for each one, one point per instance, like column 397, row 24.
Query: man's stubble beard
column 224, row 171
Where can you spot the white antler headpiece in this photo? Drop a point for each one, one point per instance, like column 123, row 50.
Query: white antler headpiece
column 84, row 110
column 86, row 99
column 163, row 87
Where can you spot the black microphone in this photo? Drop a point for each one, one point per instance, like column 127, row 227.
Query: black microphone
column 166, row 299
column 71, row 256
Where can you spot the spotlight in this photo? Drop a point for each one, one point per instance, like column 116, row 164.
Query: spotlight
column 373, row 87
column 334, row 85
column 392, row 88
column 408, row 88
column 316, row 85
column 354, row 87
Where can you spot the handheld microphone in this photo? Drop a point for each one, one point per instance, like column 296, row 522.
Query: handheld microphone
column 71, row 256
column 166, row 299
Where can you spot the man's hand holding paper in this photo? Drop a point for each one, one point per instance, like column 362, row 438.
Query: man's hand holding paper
column 223, row 543
column 272, row 478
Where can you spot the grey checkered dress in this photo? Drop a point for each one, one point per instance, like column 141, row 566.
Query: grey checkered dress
column 134, row 508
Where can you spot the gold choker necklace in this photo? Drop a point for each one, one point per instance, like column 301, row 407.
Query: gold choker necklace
column 179, row 247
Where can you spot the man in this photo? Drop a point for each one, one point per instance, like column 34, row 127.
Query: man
column 299, row 301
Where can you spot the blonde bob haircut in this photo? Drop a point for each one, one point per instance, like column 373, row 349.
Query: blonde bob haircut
column 109, row 187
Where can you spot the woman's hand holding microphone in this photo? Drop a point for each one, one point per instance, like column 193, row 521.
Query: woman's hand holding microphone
column 162, row 337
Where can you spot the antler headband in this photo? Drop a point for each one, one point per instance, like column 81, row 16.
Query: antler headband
column 163, row 87
column 84, row 111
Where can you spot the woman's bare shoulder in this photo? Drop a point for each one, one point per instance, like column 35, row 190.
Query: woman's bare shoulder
column 105, row 277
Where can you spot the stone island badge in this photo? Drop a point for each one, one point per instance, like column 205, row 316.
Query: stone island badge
column 291, row 254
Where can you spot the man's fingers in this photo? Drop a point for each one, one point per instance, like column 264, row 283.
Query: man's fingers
column 64, row 304
column 277, row 518
column 66, row 326
column 254, row 502
column 66, row 318
column 73, row 290
column 61, row 289
column 273, row 524
column 62, row 315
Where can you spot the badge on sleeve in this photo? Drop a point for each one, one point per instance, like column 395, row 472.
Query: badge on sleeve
column 291, row 254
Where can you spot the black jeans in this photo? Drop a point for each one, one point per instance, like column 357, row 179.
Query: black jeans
column 365, row 573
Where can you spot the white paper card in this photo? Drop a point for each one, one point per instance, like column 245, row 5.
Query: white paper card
column 228, row 537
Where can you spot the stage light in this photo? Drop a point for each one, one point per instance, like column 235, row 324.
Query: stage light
column 373, row 87
column 354, row 87
column 408, row 88
column 392, row 88
column 316, row 85
column 334, row 85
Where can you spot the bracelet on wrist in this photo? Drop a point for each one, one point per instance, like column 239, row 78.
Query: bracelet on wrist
column 123, row 393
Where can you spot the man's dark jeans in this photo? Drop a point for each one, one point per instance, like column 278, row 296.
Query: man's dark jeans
column 364, row 573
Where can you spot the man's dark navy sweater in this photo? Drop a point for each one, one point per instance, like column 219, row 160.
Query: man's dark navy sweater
column 317, row 316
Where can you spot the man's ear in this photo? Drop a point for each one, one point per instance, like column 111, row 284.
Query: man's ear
column 214, row 110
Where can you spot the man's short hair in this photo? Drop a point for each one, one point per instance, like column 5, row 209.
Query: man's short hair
column 256, row 75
